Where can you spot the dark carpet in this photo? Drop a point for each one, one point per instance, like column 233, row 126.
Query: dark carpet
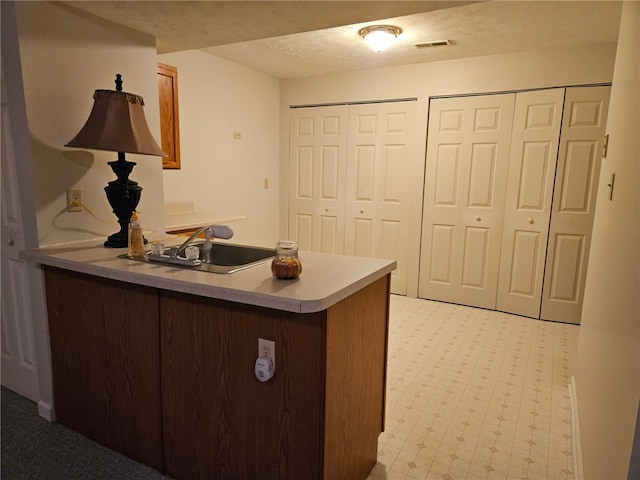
column 34, row 449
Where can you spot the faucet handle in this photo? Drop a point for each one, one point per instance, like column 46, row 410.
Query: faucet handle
column 220, row 231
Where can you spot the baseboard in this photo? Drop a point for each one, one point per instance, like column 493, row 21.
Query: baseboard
column 578, row 472
column 45, row 410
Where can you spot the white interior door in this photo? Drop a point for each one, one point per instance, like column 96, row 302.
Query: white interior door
column 579, row 160
column 317, row 169
column 465, row 183
column 18, row 348
column 382, row 146
column 532, row 167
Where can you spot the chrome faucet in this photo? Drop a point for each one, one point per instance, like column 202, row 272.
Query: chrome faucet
column 216, row 231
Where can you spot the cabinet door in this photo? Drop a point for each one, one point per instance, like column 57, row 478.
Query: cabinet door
column 466, row 171
column 169, row 119
column 381, row 175
column 317, row 169
column 574, row 199
column 105, row 356
column 532, row 167
column 220, row 421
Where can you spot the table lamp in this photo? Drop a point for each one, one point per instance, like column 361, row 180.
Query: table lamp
column 117, row 123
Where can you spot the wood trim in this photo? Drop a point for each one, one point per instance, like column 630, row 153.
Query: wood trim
column 356, row 381
column 169, row 119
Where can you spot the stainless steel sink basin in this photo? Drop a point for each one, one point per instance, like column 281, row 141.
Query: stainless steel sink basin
column 229, row 258
column 224, row 258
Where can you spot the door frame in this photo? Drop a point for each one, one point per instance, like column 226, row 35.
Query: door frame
column 18, row 129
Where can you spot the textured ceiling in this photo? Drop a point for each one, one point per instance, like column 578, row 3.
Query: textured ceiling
column 302, row 38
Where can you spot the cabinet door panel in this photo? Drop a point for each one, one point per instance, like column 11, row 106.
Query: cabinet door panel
column 220, row 420
column 105, row 355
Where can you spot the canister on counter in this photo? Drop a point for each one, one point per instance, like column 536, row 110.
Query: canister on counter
column 286, row 264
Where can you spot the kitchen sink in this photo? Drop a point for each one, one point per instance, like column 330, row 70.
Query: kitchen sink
column 224, row 258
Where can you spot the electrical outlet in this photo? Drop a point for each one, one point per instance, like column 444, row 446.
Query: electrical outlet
column 74, row 200
column 267, row 348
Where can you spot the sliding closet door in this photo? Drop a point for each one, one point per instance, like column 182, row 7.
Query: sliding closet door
column 381, row 177
column 532, row 167
column 579, row 160
column 467, row 163
column 317, row 170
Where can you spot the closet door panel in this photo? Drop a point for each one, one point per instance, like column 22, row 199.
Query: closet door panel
column 474, row 265
column 440, row 266
column 579, row 161
column 301, row 228
column 381, row 174
column 317, row 162
column 465, row 184
column 534, row 147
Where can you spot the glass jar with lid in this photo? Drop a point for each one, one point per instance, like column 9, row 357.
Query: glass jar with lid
column 286, row 264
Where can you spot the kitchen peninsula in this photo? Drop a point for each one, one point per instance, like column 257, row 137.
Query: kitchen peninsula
column 157, row 362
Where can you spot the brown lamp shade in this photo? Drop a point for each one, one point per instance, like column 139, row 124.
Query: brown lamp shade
column 117, row 124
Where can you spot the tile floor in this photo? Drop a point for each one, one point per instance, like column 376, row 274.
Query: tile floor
column 475, row 394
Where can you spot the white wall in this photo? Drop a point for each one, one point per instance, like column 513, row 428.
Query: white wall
column 608, row 360
column 495, row 73
column 219, row 174
column 66, row 55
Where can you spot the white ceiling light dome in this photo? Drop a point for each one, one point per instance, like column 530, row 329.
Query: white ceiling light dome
column 379, row 37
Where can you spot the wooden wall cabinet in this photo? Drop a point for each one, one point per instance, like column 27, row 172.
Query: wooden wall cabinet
column 169, row 119
column 167, row 378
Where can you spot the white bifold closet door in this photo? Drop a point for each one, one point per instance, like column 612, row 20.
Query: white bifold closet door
column 317, row 183
column 382, row 143
column 574, row 200
column 354, row 172
column 507, row 219
column 465, row 184
column 532, row 168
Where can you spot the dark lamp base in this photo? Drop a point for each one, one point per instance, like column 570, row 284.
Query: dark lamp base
column 123, row 196
column 118, row 240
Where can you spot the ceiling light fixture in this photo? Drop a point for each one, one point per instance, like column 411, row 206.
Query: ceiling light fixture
column 379, row 37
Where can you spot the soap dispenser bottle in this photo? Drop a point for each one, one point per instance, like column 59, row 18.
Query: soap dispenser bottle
column 136, row 239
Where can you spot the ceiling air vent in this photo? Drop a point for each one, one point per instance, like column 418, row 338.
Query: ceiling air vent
column 435, row 43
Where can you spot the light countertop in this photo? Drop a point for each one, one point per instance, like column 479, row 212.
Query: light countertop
column 325, row 280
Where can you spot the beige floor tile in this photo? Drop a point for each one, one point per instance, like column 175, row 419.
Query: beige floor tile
column 475, row 394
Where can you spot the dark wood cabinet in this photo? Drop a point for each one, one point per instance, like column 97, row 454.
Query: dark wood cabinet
column 105, row 351
column 169, row 118
column 168, row 379
column 220, row 420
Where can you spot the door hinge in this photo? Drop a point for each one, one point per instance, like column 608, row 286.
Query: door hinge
column 605, row 146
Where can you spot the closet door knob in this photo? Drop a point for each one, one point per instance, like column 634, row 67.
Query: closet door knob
column 478, row 218
column 326, row 209
column 530, row 220
column 361, row 211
